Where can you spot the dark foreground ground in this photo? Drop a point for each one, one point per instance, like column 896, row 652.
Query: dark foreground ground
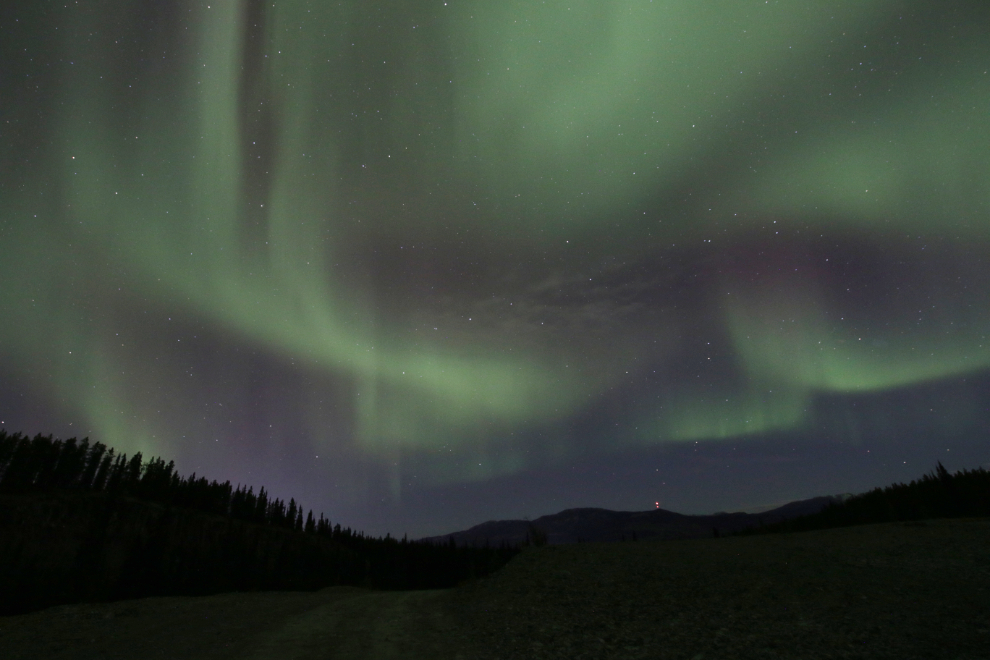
column 899, row 591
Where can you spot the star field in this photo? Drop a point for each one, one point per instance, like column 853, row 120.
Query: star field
column 426, row 264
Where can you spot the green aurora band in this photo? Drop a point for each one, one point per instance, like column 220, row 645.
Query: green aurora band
column 243, row 172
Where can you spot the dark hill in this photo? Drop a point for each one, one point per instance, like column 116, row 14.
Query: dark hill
column 80, row 522
column 575, row 525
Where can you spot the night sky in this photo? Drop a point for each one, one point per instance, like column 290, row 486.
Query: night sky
column 422, row 264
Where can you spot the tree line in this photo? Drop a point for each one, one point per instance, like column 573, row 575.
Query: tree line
column 42, row 464
column 938, row 494
column 129, row 528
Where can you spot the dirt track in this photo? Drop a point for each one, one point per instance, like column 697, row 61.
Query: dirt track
column 340, row 622
column 371, row 625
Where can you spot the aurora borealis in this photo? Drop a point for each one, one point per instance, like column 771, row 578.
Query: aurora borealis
column 423, row 264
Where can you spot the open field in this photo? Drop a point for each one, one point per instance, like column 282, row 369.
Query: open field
column 898, row 590
column 339, row 622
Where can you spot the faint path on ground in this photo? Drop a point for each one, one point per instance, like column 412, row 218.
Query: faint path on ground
column 339, row 623
column 380, row 625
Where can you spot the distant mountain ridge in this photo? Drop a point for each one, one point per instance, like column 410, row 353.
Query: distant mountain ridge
column 590, row 524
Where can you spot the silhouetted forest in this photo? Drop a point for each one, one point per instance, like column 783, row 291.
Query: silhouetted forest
column 937, row 494
column 79, row 521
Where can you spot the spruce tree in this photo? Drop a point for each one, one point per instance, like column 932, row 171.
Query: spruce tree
column 292, row 510
column 93, row 458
